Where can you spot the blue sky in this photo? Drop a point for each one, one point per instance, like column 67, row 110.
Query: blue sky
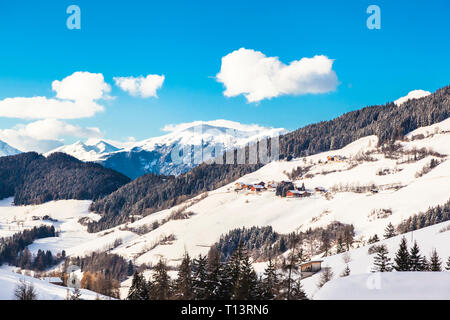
column 185, row 41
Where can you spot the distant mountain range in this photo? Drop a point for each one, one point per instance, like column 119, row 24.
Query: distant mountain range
column 7, row 150
column 172, row 154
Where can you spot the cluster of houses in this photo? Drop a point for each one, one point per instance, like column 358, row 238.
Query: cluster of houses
column 256, row 187
column 303, row 193
column 296, row 192
column 335, row 158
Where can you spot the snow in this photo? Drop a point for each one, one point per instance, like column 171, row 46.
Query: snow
column 97, row 151
column 225, row 209
column 228, row 134
column 428, row 238
column 7, row 150
column 415, row 94
column 388, row 286
column 45, row 290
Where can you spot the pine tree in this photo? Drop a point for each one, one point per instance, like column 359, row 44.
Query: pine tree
column 246, row 287
column 381, row 261
column 225, row 280
column 325, row 276
column 389, row 232
column 199, row 279
column 161, row 282
column 348, row 236
column 183, row 284
column 270, row 283
column 447, row 267
column 130, row 270
column 325, row 243
column 346, row 271
column 340, row 245
column 76, row 294
column 291, row 265
column 402, row 262
column 435, row 261
column 415, row 259
column 424, row 264
column 373, row 239
column 297, row 291
column 138, row 289
column 214, row 274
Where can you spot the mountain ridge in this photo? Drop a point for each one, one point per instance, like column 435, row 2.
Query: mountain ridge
column 156, row 154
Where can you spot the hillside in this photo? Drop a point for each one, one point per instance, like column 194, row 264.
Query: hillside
column 403, row 190
column 387, row 123
column 393, row 286
column 151, row 193
column 44, row 290
column 33, row 179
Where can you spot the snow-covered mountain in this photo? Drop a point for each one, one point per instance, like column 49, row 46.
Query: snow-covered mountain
column 186, row 146
column 95, row 152
column 7, row 150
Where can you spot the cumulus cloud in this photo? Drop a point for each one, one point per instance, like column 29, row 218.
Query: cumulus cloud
column 259, row 77
column 44, row 135
column 415, row 94
column 76, row 97
column 144, row 87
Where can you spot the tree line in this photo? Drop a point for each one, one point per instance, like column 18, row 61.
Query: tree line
column 262, row 243
column 208, row 278
column 13, row 250
column 407, row 259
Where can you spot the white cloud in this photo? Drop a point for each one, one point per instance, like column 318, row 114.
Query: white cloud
column 259, row 77
column 44, row 135
column 76, row 97
column 144, row 87
column 415, row 94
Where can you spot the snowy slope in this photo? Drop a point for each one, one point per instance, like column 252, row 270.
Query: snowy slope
column 165, row 155
column 361, row 263
column 7, row 150
column 224, row 209
column 388, row 286
column 45, row 291
column 400, row 190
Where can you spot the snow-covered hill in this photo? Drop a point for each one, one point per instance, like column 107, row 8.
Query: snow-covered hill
column 7, row 150
column 186, row 146
column 44, row 290
column 361, row 179
column 388, row 286
column 372, row 286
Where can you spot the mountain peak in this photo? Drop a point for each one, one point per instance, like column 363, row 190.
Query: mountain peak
column 154, row 155
column 7, row 150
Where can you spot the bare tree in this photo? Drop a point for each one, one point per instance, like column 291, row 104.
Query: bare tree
column 25, row 291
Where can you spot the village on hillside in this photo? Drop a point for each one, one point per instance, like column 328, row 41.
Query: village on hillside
column 287, row 188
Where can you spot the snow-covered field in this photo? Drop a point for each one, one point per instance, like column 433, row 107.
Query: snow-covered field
column 389, row 286
column 225, row 209
column 45, row 290
column 361, row 263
